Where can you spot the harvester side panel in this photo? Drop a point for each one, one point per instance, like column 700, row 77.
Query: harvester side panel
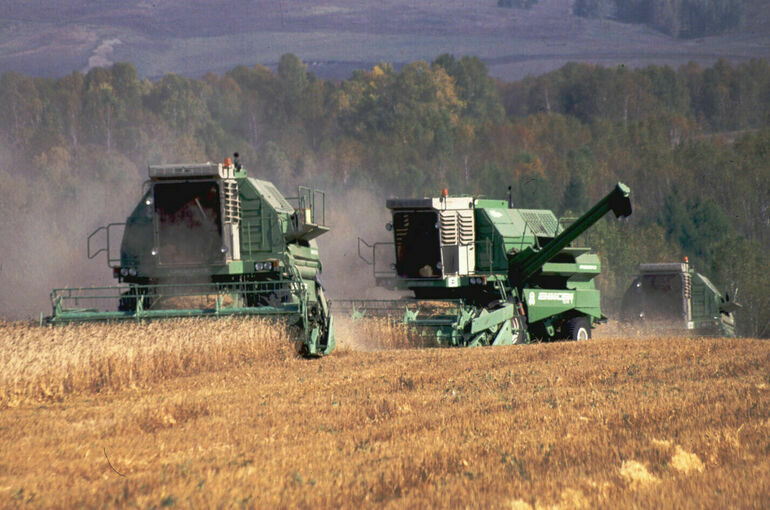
column 260, row 231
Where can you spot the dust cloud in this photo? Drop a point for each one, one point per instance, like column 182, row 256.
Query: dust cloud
column 101, row 56
column 46, row 222
column 642, row 331
column 354, row 214
column 43, row 235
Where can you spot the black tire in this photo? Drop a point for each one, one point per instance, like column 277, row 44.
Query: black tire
column 578, row 328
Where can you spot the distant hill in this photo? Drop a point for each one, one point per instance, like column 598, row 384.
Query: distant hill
column 336, row 37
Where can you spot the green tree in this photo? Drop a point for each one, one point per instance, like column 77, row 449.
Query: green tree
column 474, row 87
column 21, row 108
column 698, row 225
column 294, row 79
column 69, row 98
column 102, row 106
column 575, row 200
column 740, row 267
column 178, row 101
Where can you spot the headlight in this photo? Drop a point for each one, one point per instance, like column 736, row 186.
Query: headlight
column 123, row 271
column 132, row 271
column 439, row 266
column 154, row 252
column 223, row 249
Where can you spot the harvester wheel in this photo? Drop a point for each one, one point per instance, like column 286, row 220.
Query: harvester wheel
column 579, row 328
column 517, row 331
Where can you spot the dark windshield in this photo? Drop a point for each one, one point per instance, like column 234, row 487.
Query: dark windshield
column 189, row 223
column 417, row 244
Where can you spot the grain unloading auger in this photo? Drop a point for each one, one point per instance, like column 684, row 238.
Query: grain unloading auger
column 206, row 240
column 484, row 273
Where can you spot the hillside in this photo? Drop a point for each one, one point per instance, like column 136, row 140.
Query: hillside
column 336, row 37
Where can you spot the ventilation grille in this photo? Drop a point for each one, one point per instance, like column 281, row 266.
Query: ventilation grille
column 448, row 228
column 686, row 285
column 232, row 203
column 466, row 226
column 456, row 227
column 543, row 224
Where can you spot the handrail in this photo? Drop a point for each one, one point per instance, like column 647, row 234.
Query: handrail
column 373, row 261
column 323, row 206
column 368, row 262
column 106, row 248
column 306, row 199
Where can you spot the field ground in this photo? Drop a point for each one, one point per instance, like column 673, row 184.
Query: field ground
column 223, row 413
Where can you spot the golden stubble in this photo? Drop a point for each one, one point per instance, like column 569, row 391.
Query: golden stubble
column 47, row 364
column 657, row 422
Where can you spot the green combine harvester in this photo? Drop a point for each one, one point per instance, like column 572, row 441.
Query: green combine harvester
column 207, row 240
column 671, row 298
column 484, row 273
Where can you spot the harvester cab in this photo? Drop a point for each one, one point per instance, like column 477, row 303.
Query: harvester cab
column 207, row 240
column 511, row 274
column 671, row 298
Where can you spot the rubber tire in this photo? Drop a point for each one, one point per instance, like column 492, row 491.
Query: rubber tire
column 578, row 328
column 518, row 336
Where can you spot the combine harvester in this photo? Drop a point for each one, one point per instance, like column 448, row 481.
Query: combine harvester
column 489, row 274
column 206, row 240
column 673, row 299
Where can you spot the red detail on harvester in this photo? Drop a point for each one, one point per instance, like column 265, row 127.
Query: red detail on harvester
column 228, row 162
column 445, row 192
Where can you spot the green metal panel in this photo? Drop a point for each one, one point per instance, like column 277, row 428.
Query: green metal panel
column 260, row 228
column 544, row 303
column 270, row 193
column 501, row 230
column 588, row 302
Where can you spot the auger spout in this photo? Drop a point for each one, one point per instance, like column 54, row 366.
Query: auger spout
column 527, row 262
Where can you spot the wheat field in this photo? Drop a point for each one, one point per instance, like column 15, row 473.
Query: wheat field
column 197, row 413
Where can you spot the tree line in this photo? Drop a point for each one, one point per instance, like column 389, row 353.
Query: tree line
column 692, row 143
column 678, row 18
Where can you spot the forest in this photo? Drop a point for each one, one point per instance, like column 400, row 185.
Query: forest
column 678, row 18
column 692, row 143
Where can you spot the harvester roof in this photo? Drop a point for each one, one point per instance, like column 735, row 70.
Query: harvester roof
column 192, row 170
